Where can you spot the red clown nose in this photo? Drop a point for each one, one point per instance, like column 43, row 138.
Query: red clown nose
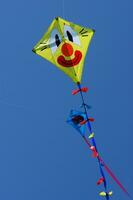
column 67, row 49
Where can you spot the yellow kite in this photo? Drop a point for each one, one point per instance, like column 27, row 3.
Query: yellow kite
column 65, row 45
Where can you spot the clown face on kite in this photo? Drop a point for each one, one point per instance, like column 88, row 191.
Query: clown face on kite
column 65, row 45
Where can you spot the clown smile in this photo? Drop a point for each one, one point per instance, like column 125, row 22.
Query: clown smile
column 67, row 51
column 70, row 63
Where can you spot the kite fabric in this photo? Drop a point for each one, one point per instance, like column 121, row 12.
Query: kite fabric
column 65, row 45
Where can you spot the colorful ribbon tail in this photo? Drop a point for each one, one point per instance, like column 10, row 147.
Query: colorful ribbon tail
column 115, row 179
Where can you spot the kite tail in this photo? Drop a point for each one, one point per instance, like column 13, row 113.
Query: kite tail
column 100, row 167
column 114, row 178
column 108, row 170
column 93, row 142
column 100, row 160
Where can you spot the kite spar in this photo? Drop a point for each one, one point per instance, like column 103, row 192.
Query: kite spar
column 65, row 45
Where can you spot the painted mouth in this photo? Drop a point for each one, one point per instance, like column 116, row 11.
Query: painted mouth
column 70, row 63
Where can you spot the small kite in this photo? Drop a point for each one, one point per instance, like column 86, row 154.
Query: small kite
column 65, row 45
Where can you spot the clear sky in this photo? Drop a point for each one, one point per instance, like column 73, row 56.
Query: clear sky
column 41, row 156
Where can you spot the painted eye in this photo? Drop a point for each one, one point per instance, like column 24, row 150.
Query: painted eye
column 71, row 35
column 55, row 40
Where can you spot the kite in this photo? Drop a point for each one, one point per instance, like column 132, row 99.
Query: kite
column 65, row 45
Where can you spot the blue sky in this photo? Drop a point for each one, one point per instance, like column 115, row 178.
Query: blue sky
column 41, row 156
